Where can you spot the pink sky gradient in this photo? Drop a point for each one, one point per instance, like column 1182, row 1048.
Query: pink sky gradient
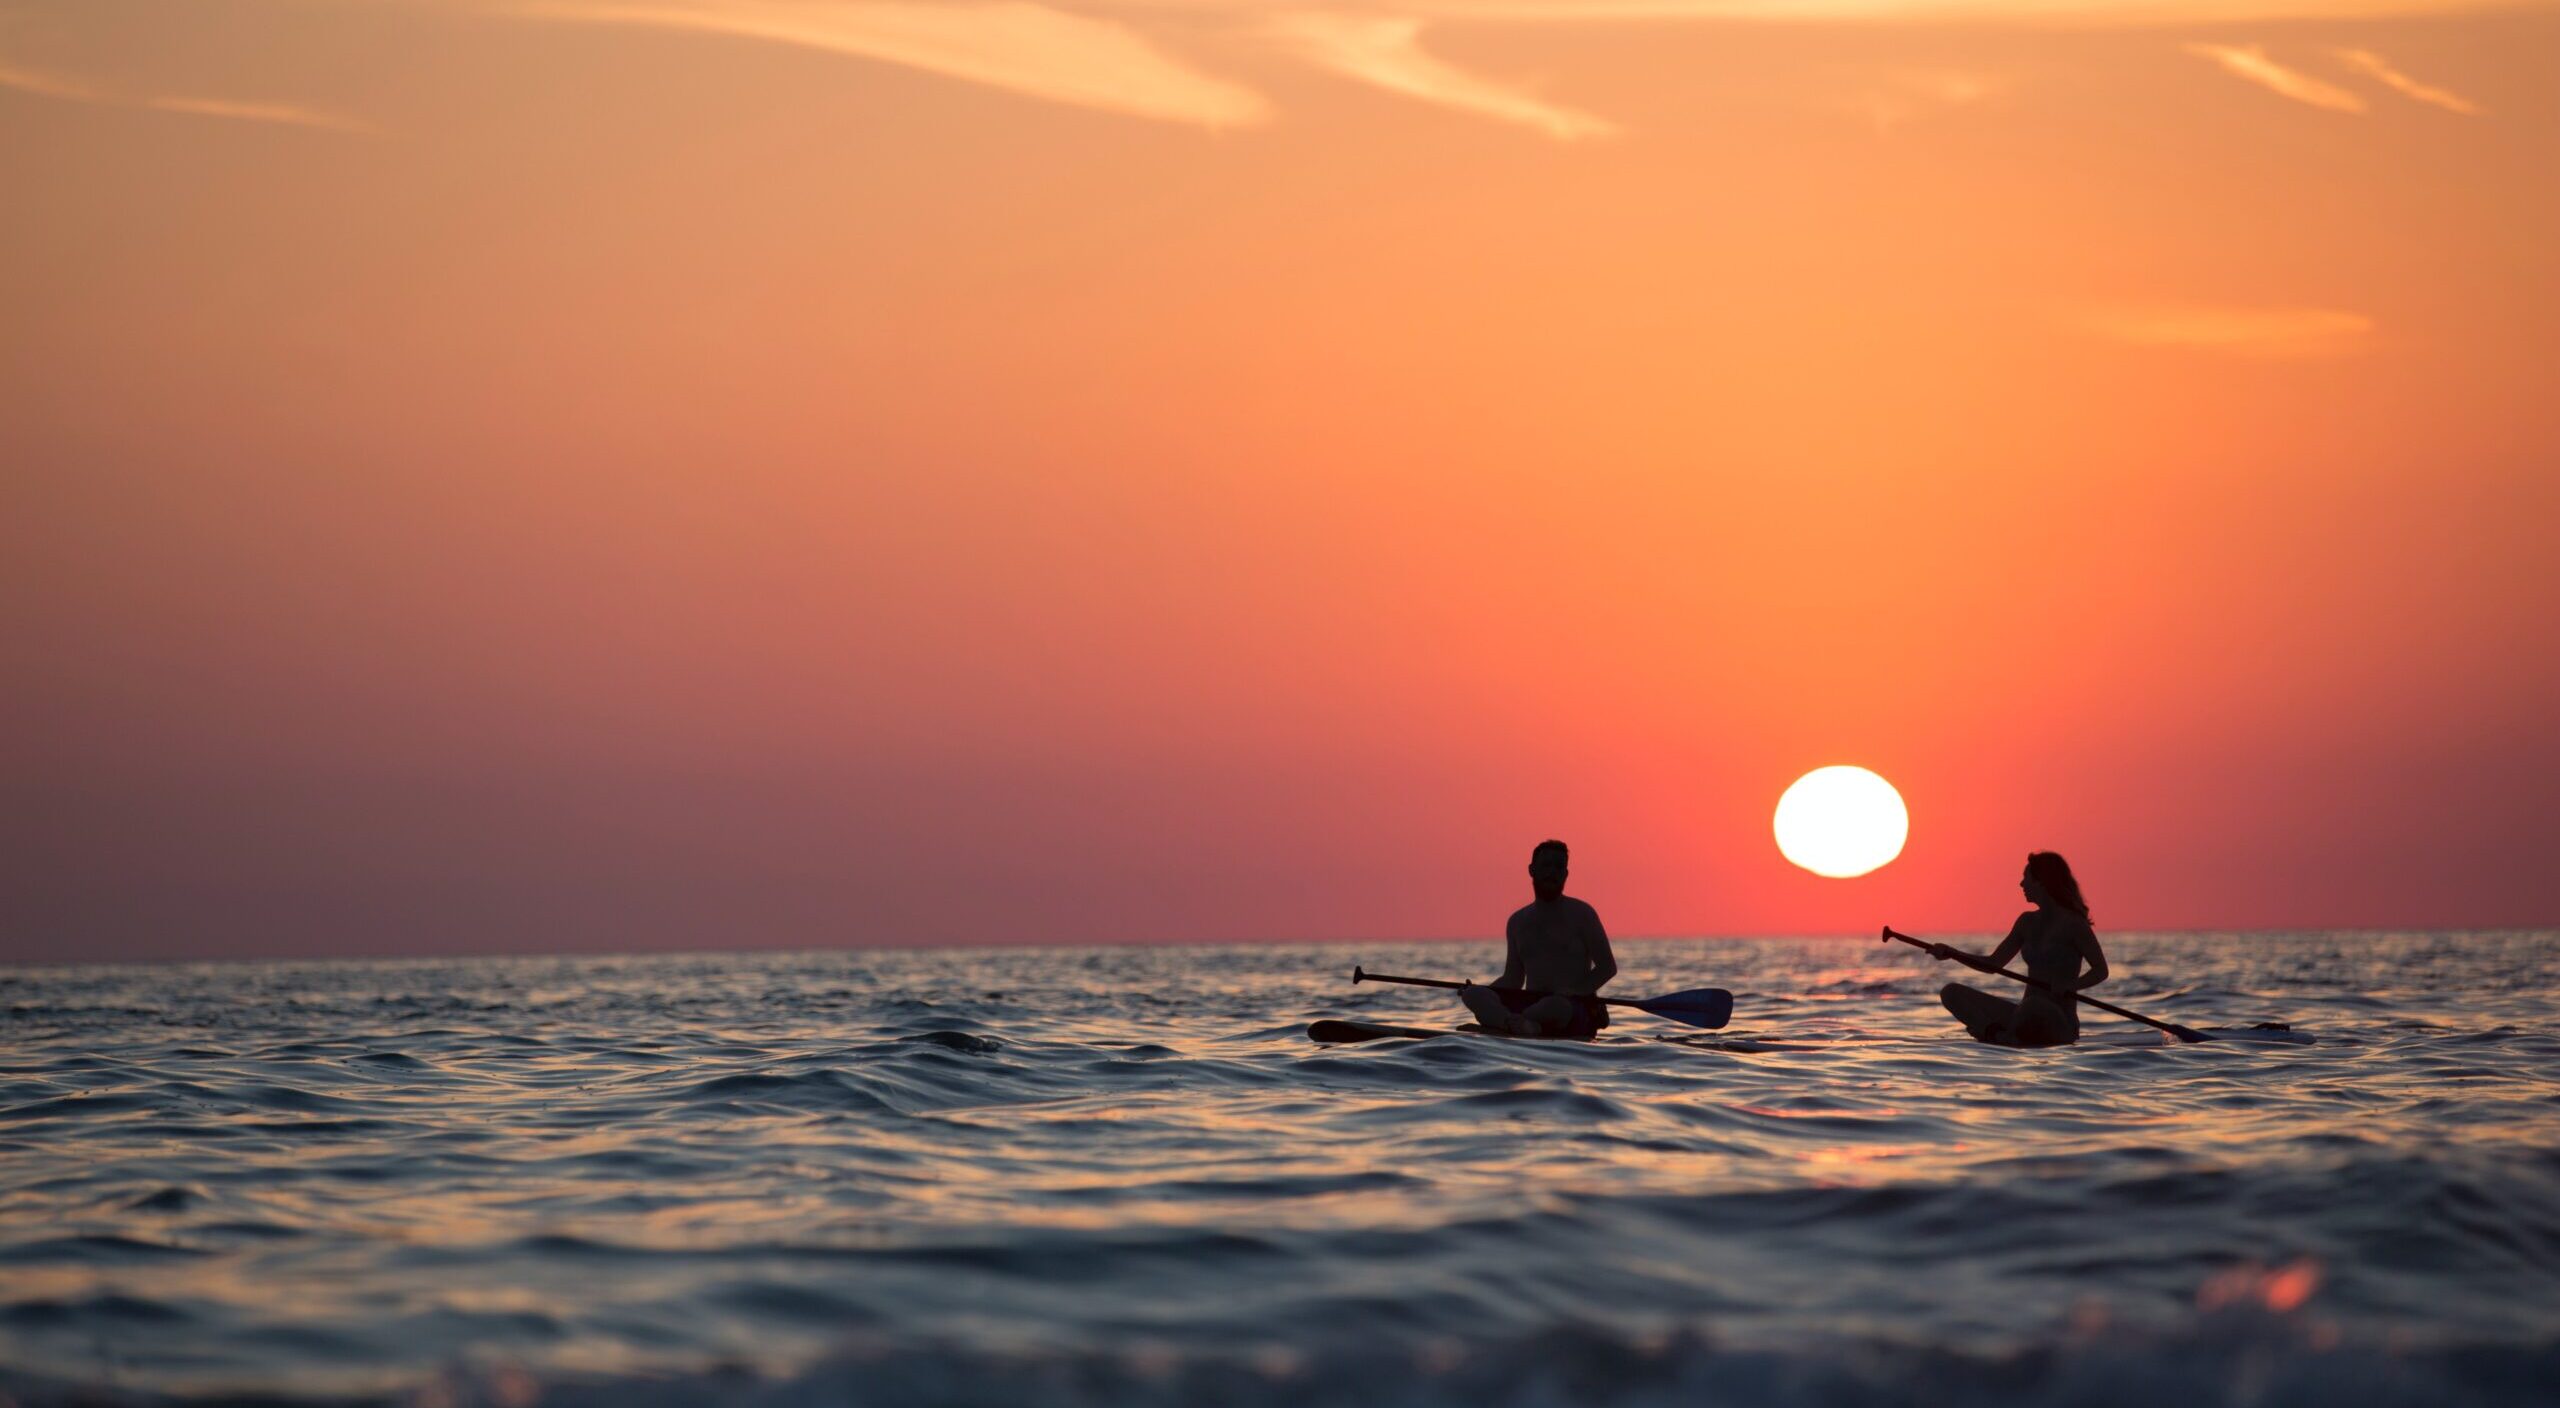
column 482, row 477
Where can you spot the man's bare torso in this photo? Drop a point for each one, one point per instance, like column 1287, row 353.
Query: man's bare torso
column 1555, row 946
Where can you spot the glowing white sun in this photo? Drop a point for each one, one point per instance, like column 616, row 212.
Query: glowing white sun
column 1841, row 821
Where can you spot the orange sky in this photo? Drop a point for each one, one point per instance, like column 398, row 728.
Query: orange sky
column 575, row 474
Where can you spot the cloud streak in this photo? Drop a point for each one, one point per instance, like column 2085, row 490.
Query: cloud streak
column 1020, row 47
column 2041, row 14
column 73, row 90
column 1386, row 52
column 2257, row 332
column 2250, row 63
column 285, row 113
column 47, row 85
column 1101, row 54
column 1901, row 97
column 2379, row 69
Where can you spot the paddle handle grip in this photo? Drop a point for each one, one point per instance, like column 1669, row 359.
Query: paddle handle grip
column 2172, row 1028
column 1363, row 975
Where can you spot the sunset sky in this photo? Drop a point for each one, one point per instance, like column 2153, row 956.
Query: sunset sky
column 523, row 475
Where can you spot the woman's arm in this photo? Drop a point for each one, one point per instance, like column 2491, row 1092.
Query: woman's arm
column 1990, row 962
column 2087, row 940
column 2019, row 928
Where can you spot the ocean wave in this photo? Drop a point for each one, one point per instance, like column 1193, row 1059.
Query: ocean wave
column 966, row 1178
column 2226, row 1358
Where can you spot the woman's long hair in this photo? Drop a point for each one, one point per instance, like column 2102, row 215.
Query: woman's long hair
column 2054, row 873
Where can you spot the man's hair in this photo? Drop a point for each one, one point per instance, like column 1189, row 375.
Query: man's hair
column 1563, row 852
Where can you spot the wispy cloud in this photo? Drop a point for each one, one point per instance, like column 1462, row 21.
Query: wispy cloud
column 1106, row 54
column 2249, row 62
column 2376, row 67
column 1386, row 50
column 1025, row 48
column 2041, row 14
column 47, row 85
column 54, row 85
column 1900, row 97
column 286, row 113
column 2256, row 332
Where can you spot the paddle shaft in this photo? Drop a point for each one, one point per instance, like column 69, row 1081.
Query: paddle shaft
column 1362, row 975
column 2172, row 1028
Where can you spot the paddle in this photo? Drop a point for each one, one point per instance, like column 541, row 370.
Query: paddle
column 1699, row 1007
column 2172, row 1028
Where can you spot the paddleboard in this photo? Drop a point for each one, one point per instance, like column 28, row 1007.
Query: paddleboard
column 1335, row 1032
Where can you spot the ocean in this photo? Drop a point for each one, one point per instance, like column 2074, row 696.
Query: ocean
column 1123, row 1176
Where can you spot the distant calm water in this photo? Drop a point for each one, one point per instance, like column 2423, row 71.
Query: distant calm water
column 1124, row 1177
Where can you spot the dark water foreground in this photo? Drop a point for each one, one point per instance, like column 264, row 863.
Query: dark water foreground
column 1123, row 1177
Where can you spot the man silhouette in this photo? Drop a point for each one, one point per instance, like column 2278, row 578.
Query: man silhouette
column 1555, row 959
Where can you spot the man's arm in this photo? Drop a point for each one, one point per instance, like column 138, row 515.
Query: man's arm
column 1604, row 964
column 1510, row 955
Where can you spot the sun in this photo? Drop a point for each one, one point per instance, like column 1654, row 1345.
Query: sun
column 1841, row 821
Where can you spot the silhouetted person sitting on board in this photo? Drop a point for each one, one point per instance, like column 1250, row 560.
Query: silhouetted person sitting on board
column 1552, row 946
column 2054, row 938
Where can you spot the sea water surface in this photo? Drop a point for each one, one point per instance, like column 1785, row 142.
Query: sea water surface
column 1124, row 1176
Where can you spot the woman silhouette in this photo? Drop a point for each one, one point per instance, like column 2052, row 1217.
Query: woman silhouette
column 2055, row 938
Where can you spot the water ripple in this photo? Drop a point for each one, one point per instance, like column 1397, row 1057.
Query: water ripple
column 1123, row 1176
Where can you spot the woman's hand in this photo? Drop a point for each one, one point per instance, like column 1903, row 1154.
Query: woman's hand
column 1941, row 952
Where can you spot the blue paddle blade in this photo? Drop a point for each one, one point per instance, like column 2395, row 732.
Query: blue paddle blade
column 1699, row 1007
